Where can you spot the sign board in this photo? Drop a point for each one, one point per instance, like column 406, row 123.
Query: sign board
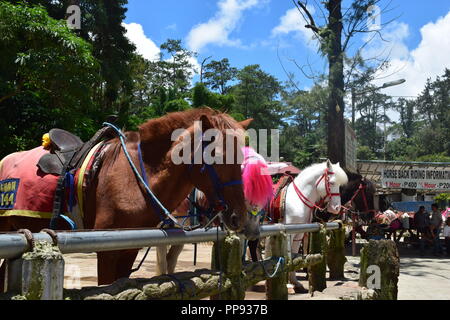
column 416, row 178
column 350, row 148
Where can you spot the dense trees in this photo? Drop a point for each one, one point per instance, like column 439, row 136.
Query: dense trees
column 51, row 76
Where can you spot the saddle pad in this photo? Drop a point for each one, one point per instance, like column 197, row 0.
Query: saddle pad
column 277, row 206
column 24, row 189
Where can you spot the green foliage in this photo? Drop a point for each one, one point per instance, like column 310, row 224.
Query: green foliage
column 365, row 153
column 217, row 75
column 46, row 77
column 443, row 197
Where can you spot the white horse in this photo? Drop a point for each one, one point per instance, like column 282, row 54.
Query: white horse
column 315, row 184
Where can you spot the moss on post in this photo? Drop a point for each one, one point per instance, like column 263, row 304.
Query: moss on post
column 317, row 273
column 226, row 256
column 380, row 268
column 336, row 254
column 277, row 286
column 43, row 273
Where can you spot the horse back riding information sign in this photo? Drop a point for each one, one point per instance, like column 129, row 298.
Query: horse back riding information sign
column 8, row 192
column 416, row 178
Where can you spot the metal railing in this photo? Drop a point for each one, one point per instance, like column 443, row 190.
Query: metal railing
column 13, row 245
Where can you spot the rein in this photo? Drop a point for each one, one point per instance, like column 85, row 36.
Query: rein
column 157, row 205
column 319, row 206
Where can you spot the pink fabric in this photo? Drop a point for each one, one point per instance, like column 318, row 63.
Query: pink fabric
column 36, row 189
column 257, row 181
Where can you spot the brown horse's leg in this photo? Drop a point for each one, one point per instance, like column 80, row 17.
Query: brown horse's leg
column 114, row 265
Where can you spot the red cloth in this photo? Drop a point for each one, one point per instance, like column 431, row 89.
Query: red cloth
column 35, row 190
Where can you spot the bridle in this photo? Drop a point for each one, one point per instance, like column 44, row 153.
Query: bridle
column 217, row 204
column 329, row 195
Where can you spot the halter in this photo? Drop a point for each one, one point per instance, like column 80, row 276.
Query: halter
column 361, row 189
column 329, row 195
column 215, row 209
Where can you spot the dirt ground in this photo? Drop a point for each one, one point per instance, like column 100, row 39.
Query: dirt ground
column 420, row 277
column 81, row 271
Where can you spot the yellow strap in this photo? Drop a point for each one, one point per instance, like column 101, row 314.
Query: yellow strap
column 26, row 213
column 81, row 177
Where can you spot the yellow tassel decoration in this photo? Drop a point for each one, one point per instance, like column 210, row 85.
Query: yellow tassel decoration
column 46, row 142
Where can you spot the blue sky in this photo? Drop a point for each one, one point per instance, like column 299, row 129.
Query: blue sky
column 253, row 31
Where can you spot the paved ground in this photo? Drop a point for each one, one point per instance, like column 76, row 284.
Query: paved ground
column 420, row 277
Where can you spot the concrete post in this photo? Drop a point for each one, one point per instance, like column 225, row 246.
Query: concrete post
column 227, row 257
column 14, row 276
column 276, row 287
column 336, row 254
column 380, row 268
column 43, row 273
column 317, row 273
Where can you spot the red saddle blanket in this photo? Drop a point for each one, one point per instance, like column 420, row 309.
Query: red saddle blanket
column 24, row 189
column 277, row 205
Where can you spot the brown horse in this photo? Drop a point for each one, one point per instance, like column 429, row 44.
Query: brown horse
column 115, row 198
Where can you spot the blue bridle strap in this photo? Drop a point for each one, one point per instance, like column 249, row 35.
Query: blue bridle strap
column 156, row 203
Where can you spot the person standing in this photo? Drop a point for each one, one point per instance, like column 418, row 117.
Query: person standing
column 422, row 223
column 447, row 235
column 435, row 228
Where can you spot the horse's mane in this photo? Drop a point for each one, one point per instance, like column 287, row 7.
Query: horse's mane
column 155, row 134
column 341, row 176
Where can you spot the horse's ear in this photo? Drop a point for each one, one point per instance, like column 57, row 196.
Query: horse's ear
column 329, row 164
column 206, row 122
column 246, row 123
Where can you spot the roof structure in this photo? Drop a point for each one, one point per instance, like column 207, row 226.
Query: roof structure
column 282, row 168
column 372, row 170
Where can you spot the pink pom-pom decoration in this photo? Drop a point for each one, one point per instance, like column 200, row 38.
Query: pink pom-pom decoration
column 257, row 181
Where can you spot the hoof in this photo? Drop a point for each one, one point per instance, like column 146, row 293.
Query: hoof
column 300, row 290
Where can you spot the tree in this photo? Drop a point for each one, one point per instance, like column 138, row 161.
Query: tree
column 334, row 37
column 46, row 77
column 218, row 74
column 256, row 95
column 101, row 25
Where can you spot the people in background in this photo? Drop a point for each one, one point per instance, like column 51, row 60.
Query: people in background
column 422, row 223
column 447, row 235
column 435, row 228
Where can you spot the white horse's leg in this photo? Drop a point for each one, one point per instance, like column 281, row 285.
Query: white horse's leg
column 161, row 260
column 172, row 257
column 295, row 246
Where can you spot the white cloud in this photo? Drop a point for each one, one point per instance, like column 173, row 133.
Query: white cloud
column 292, row 21
column 144, row 45
column 428, row 60
column 218, row 29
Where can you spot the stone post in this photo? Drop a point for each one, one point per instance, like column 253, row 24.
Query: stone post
column 227, row 257
column 276, row 287
column 43, row 273
column 317, row 273
column 336, row 254
column 380, row 268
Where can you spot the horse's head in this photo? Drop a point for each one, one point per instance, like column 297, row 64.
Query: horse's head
column 328, row 186
column 215, row 167
column 359, row 193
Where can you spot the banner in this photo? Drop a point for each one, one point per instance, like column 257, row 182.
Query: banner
column 416, row 178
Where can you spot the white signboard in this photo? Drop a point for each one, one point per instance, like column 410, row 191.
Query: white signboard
column 416, row 178
column 350, row 148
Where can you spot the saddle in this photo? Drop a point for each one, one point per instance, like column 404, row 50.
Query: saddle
column 67, row 154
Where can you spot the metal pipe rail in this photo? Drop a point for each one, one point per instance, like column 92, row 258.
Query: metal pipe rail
column 13, row 245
